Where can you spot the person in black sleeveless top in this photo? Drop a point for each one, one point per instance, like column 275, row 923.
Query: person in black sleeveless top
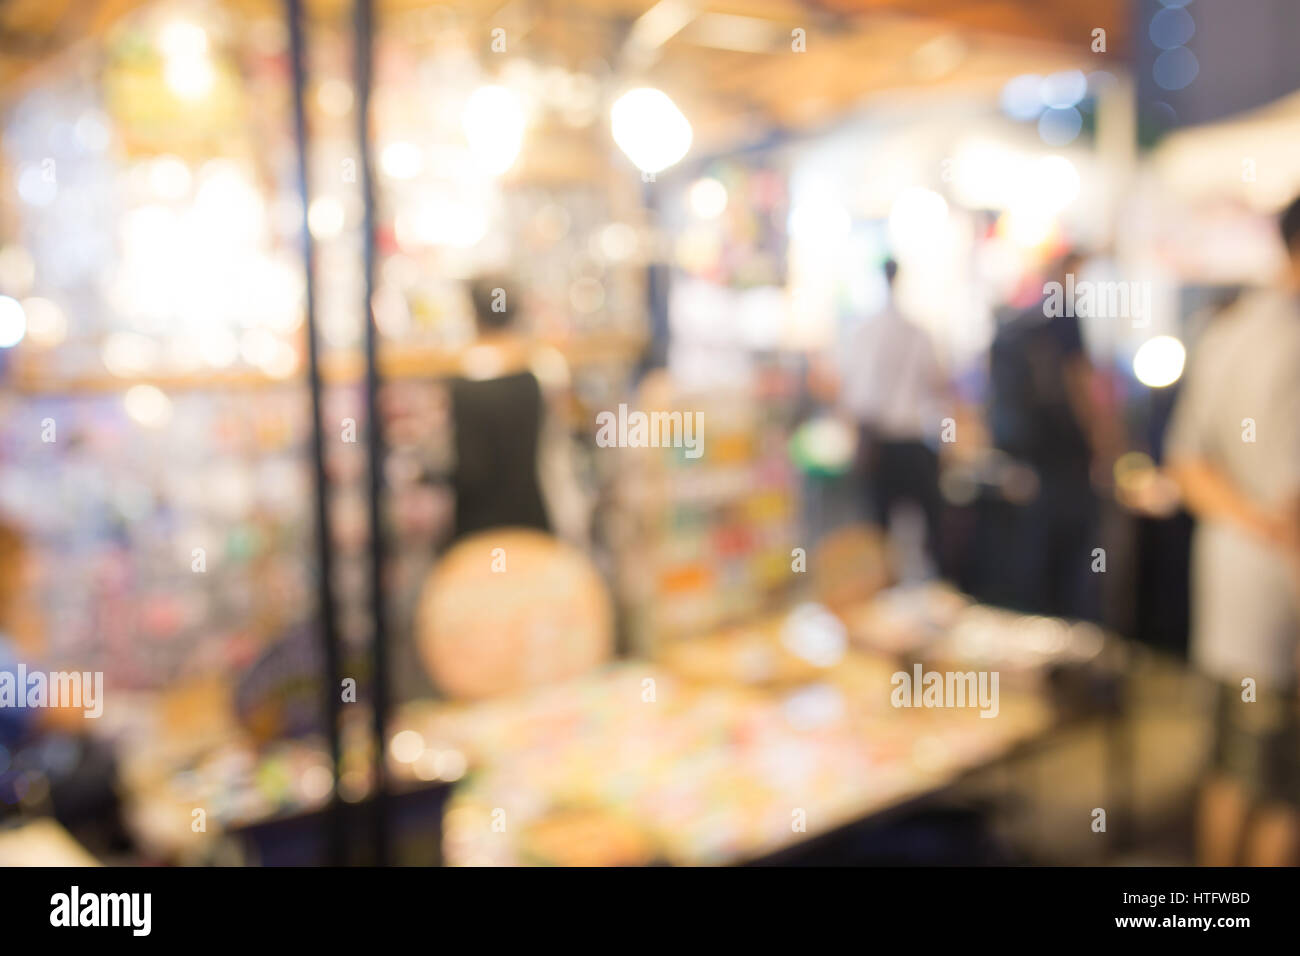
column 497, row 410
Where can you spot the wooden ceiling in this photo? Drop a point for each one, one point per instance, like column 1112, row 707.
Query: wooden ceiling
column 730, row 63
column 1065, row 22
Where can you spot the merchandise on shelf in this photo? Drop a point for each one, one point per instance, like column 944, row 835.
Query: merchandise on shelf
column 708, row 539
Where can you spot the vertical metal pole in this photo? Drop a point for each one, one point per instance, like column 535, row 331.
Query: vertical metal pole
column 324, row 540
column 363, row 30
column 658, row 278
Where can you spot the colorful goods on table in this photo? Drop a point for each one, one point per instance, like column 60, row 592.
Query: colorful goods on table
column 706, row 774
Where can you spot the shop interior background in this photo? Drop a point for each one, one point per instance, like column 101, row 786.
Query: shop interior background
column 691, row 205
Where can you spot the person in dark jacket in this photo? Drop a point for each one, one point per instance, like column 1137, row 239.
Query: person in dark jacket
column 497, row 412
column 1041, row 414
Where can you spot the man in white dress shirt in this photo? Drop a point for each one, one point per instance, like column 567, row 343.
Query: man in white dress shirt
column 894, row 388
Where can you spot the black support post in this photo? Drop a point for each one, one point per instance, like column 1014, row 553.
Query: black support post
column 327, row 620
column 363, row 36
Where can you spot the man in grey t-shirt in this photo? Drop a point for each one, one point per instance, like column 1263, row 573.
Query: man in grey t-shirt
column 1234, row 449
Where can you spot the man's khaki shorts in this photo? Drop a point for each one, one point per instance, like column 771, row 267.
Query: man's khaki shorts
column 1257, row 743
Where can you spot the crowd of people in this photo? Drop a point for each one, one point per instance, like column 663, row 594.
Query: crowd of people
column 1233, row 449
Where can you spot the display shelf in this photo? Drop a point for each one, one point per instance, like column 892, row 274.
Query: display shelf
column 707, row 541
column 339, row 369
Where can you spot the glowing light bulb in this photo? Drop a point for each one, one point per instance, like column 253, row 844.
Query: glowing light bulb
column 13, row 322
column 406, row 746
column 650, row 129
column 1052, row 183
column 494, row 127
column 181, row 39
column 401, row 160
column 708, row 198
column 148, row 405
column 189, row 79
column 187, row 70
column 917, row 217
column 326, row 217
column 1159, row 362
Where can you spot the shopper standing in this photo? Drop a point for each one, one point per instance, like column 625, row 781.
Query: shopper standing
column 1042, row 415
column 894, row 389
column 1234, row 449
column 497, row 414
